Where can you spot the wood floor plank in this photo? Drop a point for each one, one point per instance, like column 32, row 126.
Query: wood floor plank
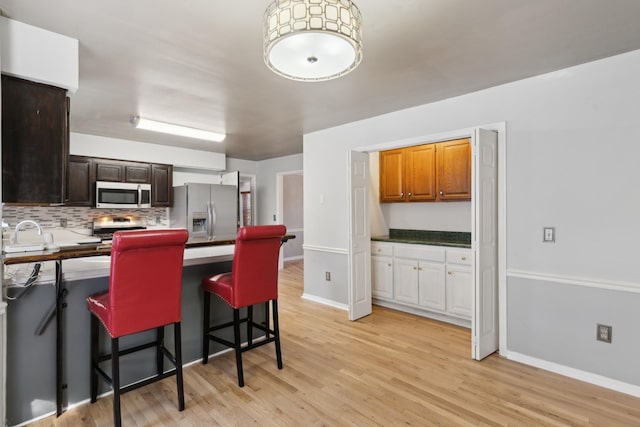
column 389, row 368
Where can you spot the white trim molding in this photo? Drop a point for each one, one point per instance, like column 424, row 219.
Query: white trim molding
column 325, row 301
column 325, row 249
column 606, row 284
column 577, row 374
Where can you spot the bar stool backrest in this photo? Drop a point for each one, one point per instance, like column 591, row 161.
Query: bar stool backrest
column 145, row 282
column 255, row 264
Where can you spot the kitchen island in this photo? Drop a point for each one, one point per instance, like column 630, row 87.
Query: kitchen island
column 47, row 366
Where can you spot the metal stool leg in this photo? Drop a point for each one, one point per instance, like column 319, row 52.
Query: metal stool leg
column 178, row 356
column 115, row 381
column 159, row 353
column 205, row 327
column 276, row 333
column 238, row 348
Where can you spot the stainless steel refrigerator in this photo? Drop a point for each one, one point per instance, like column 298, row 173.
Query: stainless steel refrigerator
column 208, row 211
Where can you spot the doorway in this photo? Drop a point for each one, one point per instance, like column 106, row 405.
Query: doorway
column 488, row 234
column 290, row 204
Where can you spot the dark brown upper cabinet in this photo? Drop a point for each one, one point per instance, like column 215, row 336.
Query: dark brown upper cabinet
column 85, row 171
column 122, row 171
column 161, row 185
column 80, row 181
column 35, row 142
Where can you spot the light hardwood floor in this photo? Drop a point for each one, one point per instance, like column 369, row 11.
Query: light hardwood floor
column 387, row 369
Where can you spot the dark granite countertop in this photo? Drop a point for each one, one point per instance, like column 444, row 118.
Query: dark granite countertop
column 456, row 239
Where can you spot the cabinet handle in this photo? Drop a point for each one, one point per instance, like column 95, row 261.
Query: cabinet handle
column 450, row 273
column 442, row 193
column 415, row 268
column 380, row 250
column 419, row 268
column 389, row 265
column 464, row 258
column 409, row 194
column 402, row 194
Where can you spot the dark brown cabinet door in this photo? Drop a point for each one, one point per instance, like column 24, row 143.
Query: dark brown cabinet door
column 122, row 171
column 80, row 181
column 392, row 175
column 161, row 185
column 106, row 170
column 35, row 142
column 420, row 177
column 138, row 173
column 454, row 170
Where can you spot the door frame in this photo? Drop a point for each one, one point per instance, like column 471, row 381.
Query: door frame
column 251, row 178
column 501, row 129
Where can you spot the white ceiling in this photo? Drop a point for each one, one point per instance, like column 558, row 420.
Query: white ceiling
column 199, row 62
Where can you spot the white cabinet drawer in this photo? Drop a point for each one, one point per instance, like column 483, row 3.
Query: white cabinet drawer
column 459, row 256
column 379, row 248
column 421, row 252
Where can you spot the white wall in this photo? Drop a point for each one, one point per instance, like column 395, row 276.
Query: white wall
column 571, row 162
column 266, row 182
column 39, row 55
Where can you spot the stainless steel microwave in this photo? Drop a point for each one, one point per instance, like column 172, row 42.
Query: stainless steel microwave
column 122, row 195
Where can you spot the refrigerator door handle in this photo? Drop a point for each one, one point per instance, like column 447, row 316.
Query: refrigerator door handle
column 209, row 221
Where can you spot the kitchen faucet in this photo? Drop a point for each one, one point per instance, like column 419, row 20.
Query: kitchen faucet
column 14, row 237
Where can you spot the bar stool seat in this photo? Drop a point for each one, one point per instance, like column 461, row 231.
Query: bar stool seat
column 145, row 285
column 253, row 280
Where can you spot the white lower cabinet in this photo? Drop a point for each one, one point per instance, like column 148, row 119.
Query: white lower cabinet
column 459, row 282
column 405, row 280
column 382, row 270
column 432, row 286
column 431, row 278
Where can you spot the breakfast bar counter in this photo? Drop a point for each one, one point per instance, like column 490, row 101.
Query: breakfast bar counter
column 97, row 249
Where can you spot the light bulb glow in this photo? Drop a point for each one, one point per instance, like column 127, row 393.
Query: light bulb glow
column 172, row 129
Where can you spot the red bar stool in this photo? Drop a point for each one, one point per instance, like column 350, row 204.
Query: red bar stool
column 144, row 293
column 253, row 279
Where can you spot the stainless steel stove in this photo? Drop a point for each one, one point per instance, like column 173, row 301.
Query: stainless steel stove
column 105, row 226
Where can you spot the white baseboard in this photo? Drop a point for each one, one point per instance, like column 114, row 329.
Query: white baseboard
column 293, row 258
column 325, row 301
column 577, row 374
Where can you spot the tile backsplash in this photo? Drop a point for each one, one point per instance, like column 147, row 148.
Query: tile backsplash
column 78, row 217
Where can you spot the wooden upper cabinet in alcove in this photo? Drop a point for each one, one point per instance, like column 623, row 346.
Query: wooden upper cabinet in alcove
column 426, row 173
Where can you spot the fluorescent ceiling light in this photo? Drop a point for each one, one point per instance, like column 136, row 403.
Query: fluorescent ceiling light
column 152, row 125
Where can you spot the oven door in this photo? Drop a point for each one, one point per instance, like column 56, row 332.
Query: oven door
column 122, row 195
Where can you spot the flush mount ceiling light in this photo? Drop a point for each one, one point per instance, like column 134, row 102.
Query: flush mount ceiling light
column 152, row 125
column 312, row 40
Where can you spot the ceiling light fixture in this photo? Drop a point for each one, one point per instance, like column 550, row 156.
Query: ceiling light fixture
column 152, row 125
column 312, row 40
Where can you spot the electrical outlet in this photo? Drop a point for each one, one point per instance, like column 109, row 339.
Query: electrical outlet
column 604, row 333
column 549, row 234
column 327, row 276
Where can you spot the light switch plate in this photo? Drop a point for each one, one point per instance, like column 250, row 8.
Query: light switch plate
column 549, row 234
